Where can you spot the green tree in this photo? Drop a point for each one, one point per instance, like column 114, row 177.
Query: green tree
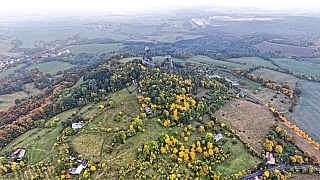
column 68, row 131
column 209, row 137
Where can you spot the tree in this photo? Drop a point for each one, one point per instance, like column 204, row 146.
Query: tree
column 307, row 153
column 17, row 101
column 298, row 90
column 68, row 131
column 278, row 149
column 92, row 168
column 209, row 137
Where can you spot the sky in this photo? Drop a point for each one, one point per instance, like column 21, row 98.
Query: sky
column 55, row 6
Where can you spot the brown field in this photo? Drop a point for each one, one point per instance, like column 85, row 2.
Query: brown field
column 294, row 50
column 265, row 95
column 251, row 121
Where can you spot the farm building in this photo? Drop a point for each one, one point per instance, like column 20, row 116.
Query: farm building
column 148, row 110
column 270, row 158
column 76, row 125
column 217, row 137
column 82, row 166
column 19, row 153
column 240, row 94
column 72, row 170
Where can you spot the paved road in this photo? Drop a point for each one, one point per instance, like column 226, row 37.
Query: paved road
column 284, row 167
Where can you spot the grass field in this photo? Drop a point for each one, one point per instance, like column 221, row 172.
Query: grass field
column 209, row 61
column 298, row 67
column 278, row 77
column 95, row 49
column 307, row 112
column 251, row 121
column 239, row 159
column 51, row 67
column 10, row 71
column 254, row 61
column 78, row 83
column 8, row 99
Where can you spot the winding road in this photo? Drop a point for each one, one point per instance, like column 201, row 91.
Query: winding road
column 284, row 167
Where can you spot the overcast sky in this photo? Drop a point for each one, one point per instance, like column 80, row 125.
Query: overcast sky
column 28, row 6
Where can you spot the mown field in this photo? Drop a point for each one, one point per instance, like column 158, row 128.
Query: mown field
column 95, row 49
column 251, row 121
column 306, row 114
column 51, row 67
column 298, row 67
column 254, row 61
column 294, row 50
column 250, row 62
column 278, row 77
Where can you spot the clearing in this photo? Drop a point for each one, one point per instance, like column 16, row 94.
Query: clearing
column 251, row 121
column 51, row 67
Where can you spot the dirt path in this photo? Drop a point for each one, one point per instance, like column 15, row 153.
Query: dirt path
column 26, row 175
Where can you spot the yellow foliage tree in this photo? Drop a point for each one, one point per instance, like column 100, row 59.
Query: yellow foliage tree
column 201, row 129
column 199, row 149
column 92, row 168
column 181, row 154
column 211, row 152
column 278, row 149
column 192, row 155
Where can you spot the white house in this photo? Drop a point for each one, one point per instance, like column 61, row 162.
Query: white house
column 76, row 125
column 217, row 137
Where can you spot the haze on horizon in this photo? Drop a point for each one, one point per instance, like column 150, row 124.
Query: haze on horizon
column 21, row 7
